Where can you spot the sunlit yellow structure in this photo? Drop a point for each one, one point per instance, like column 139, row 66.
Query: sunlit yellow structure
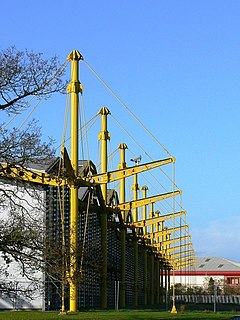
column 157, row 243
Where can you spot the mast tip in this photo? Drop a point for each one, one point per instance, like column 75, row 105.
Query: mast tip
column 75, row 55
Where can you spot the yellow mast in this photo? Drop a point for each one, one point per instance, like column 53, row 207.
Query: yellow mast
column 74, row 88
column 145, row 254
column 135, row 189
column 104, row 136
column 123, row 165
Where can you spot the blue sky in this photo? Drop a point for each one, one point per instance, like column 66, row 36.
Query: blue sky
column 176, row 65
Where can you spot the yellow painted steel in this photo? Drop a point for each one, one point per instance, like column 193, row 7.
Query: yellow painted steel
column 190, row 263
column 157, row 234
column 182, row 254
column 158, row 224
column 74, row 88
column 175, row 249
column 152, row 216
column 135, row 188
column 104, row 136
column 145, row 257
column 144, row 209
column 30, row 175
column 122, row 165
column 174, row 240
column 148, row 222
column 115, row 175
column 161, row 236
column 182, row 262
column 136, row 203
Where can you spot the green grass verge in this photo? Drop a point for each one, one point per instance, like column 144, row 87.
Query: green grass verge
column 114, row 315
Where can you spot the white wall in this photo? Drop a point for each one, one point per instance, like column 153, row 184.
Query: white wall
column 29, row 209
column 193, row 280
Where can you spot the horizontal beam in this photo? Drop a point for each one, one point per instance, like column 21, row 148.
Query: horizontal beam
column 167, row 251
column 171, row 241
column 154, row 220
column 157, row 234
column 33, row 176
column 142, row 202
column 111, row 176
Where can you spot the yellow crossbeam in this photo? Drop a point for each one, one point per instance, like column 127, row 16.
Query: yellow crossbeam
column 115, row 175
column 150, row 221
column 142, row 202
column 164, row 232
column 175, row 249
column 167, row 242
column 34, row 176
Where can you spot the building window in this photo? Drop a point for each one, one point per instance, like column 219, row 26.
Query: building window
column 220, row 266
column 207, row 260
column 202, row 265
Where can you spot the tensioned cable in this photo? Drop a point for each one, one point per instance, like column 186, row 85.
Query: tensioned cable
column 29, row 115
column 125, row 106
column 141, row 148
column 164, row 173
column 110, row 157
column 85, row 229
column 65, row 122
column 16, row 114
column 90, row 123
column 62, row 67
column 81, row 126
column 85, row 130
column 173, row 221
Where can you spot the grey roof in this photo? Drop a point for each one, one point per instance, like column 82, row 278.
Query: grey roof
column 215, row 264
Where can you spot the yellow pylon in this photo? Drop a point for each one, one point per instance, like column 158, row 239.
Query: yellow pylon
column 174, row 310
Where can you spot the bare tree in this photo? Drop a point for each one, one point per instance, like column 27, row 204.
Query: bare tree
column 22, row 231
column 24, row 74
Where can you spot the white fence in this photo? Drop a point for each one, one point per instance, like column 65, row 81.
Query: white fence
column 233, row 299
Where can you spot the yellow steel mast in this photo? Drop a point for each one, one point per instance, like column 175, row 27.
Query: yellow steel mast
column 104, row 136
column 74, row 88
column 73, row 181
column 123, row 165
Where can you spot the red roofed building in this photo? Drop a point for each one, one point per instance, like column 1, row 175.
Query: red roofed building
column 218, row 268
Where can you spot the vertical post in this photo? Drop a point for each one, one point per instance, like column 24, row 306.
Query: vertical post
column 157, row 281
column 166, row 286
column 135, row 189
column 74, row 88
column 161, row 270
column 152, row 229
column 161, row 284
column 123, row 165
column 152, row 279
column 174, row 310
column 157, row 225
column 144, row 190
column 152, row 216
column 104, row 137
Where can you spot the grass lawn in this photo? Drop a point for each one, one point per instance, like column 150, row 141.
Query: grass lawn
column 114, row 315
